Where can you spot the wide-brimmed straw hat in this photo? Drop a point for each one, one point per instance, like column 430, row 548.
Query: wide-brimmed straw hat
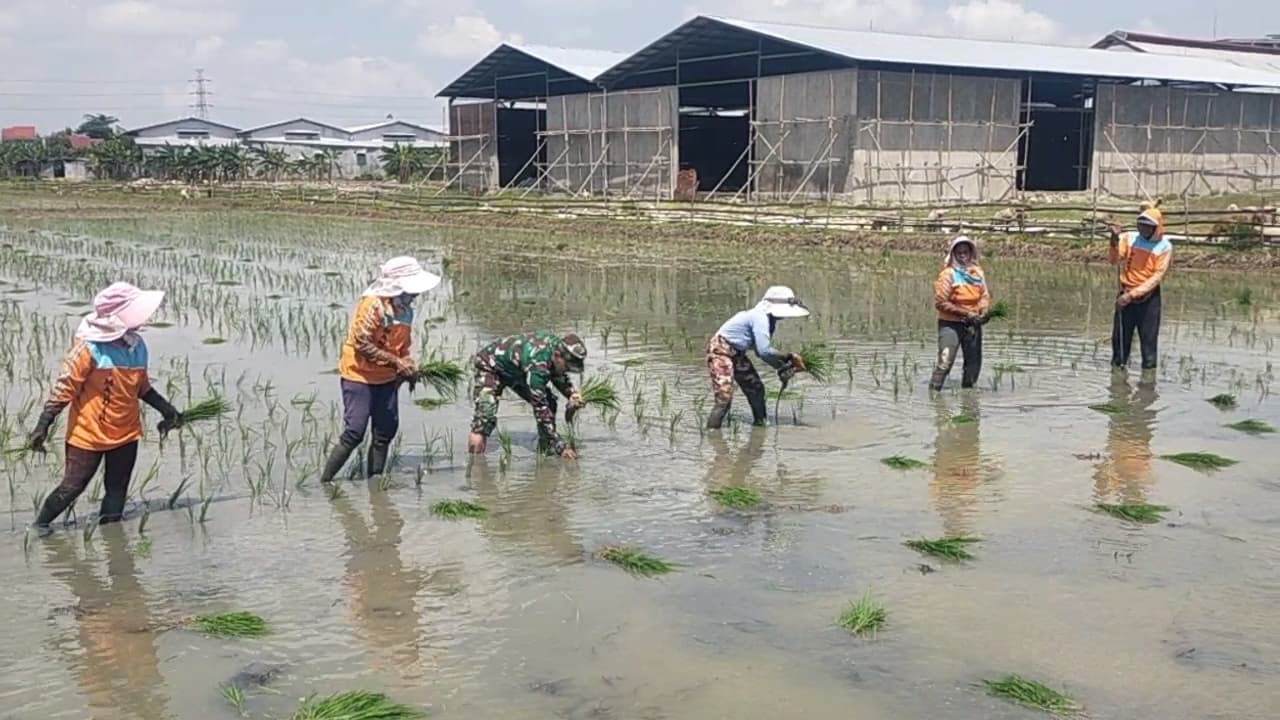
column 402, row 275
column 780, row 301
column 117, row 309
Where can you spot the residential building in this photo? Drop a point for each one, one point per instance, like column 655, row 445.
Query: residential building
column 19, row 132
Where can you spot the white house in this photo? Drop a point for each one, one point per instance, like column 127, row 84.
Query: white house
column 185, row 132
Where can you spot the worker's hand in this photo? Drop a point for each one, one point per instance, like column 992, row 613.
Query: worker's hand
column 169, row 424
column 973, row 319
column 1123, row 299
column 476, row 443
column 569, row 454
column 797, row 362
column 406, row 369
column 575, row 400
column 1115, row 231
column 37, row 439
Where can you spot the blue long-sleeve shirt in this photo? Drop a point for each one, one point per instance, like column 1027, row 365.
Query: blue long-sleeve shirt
column 750, row 329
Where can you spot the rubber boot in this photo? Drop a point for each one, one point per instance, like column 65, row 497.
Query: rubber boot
column 716, row 418
column 337, row 458
column 377, row 462
column 759, row 409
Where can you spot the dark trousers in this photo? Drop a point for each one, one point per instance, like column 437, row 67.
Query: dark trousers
column 1144, row 317
column 956, row 337
column 363, row 405
column 81, row 466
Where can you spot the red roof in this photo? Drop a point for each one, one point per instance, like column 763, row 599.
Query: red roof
column 19, row 132
column 79, row 141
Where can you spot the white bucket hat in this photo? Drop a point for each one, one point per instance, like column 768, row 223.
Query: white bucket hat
column 402, row 275
column 780, row 301
column 118, row 309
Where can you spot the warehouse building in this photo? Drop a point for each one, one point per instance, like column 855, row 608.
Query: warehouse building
column 770, row 111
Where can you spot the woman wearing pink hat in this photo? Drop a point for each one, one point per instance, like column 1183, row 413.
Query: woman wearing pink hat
column 103, row 378
column 375, row 360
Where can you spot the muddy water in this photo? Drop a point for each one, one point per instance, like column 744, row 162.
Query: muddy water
column 512, row 617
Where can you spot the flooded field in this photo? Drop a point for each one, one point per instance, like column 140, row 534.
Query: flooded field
column 514, row 615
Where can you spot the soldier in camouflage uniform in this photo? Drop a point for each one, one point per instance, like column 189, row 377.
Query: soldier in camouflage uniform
column 727, row 360
column 527, row 364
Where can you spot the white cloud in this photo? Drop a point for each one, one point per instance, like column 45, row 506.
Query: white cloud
column 1001, row 20
column 467, row 36
column 9, row 21
column 140, row 17
column 208, row 46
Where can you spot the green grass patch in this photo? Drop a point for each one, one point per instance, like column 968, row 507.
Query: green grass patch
column 635, row 561
column 600, row 392
column 1252, row 426
column 863, row 617
column 902, row 462
column 1225, row 401
column 1108, row 408
column 356, row 705
column 1200, row 461
column 458, row 509
column 818, row 361
column 1134, row 512
column 238, row 624
column 1032, row 694
column 1244, row 297
column 736, row 497
column 954, row 547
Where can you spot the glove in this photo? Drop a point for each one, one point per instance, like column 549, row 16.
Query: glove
column 972, row 320
column 39, row 435
column 786, row 373
column 169, row 424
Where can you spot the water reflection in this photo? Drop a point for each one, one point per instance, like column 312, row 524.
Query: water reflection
column 732, row 468
column 957, row 471
column 1125, row 474
column 383, row 588
column 118, row 670
column 529, row 514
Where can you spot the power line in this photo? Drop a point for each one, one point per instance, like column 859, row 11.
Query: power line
column 202, row 94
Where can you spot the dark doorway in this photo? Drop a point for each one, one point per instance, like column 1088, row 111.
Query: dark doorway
column 1056, row 153
column 715, row 133
column 518, row 141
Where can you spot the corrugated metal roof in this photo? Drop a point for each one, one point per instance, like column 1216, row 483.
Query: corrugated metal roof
column 1257, row 61
column 586, row 64
column 890, row 48
column 570, row 69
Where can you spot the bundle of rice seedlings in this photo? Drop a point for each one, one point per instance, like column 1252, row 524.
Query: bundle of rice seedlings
column 238, row 624
column 1252, row 426
column 902, row 462
column 947, row 548
column 1032, row 694
column 431, row 403
column 600, row 392
column 635, row 561
column 1135, row 512
column 1200, row 461
column 1225, row 401
column 863, row 616
column 458, row 509
column 1108, row 408
column 442, row 375
column 817, row 361
column 206, row 409
column 998, row 311
column 738, row 498
column 963, row 419
column 356, row 705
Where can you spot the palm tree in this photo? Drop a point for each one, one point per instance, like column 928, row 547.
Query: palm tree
column 100, row 126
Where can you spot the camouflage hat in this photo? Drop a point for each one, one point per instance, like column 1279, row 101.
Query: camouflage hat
column 573, row 350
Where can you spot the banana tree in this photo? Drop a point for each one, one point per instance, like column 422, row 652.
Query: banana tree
column 273, row 163
column 402, row 162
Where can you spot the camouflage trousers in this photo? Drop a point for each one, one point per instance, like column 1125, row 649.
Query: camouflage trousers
column 486, row 388
column 726, row 367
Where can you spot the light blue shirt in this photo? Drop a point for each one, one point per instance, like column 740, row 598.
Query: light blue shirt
column 750, row 329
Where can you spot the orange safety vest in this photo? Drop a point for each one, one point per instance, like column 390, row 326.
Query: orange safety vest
column 966, row 287
column 102, row 382
column 376, row 330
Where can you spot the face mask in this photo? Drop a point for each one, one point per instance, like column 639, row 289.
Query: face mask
column 1146, row 231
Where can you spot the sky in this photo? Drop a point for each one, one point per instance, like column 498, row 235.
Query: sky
column 356, row 61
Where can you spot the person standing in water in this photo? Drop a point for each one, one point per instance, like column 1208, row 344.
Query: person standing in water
column 962, row 299
column 104, row 375
column 1144, row 256
column 727, row 360
column 375, row 361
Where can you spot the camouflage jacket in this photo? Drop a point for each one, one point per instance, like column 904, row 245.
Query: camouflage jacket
column 523, row 363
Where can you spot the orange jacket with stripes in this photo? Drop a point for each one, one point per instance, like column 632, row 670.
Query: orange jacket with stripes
column 379, row 336
column 102, row 382
column 1146, row 260
column 960, row 289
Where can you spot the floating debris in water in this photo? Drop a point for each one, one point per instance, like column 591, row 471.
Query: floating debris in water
column 458, row 509
column 228, row 283
column 1200, row 461
column 736, row 497
column 356, row 705
column 862, row 617
column 238, row 624
column 953, row 547
column 1108, row 408
column 1252, row 426
column 1136, row 512
column 1032, row 694
column 635, row 561
column 1225, row 401
column 902, row 462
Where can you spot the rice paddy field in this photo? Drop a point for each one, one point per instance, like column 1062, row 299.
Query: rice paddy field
column 1061, row 539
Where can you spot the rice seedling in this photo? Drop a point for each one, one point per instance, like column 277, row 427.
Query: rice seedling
column 206, row 409
column 818, row 361
column 442, row 375
column 1252, row 427
column 954, row 547
column 1032, row 694
column 736, row 497
column 862, row 617
column 600, row 392
column 356, row 705
column 159, row 324
column 1244, row 297
column 213, row 341
column 1200, row 461
column 1135, row 512
column 458, row 509
column 238, row 624
column 431, row 403
column 1108, row 408
column 234, row 697
column 635, row 561
column 1225, row 401
column 998, row 311
column 963, row 419
column 902, row 462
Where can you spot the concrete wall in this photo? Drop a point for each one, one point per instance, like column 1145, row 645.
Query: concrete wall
column 620, row 143
column 473, row 156
column 1159, row 141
